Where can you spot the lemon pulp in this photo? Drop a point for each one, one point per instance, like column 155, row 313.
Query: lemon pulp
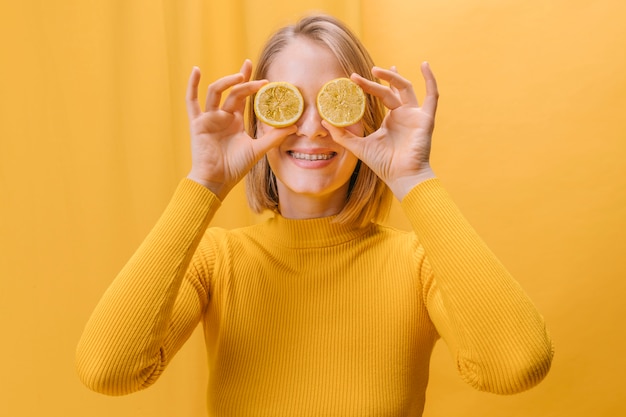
column 341, row 102
column 278, row 104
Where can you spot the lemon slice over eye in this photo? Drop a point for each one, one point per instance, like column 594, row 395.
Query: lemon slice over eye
column 278, row 104
column 341, row 102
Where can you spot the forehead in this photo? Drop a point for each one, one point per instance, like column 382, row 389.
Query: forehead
column 304, row 59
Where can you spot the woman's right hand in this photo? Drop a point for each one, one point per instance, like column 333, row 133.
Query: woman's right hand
column 222, row 152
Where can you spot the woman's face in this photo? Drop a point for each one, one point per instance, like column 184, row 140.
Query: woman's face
column 312, row 171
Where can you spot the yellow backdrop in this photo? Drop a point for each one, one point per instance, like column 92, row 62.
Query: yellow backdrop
column 93, row 139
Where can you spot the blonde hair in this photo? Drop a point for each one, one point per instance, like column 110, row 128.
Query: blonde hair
column 369, row 198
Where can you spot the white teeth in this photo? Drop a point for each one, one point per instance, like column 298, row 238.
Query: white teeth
column 312, row 157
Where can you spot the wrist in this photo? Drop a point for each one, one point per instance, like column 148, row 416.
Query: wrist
column 402, row 185
column 218, row 188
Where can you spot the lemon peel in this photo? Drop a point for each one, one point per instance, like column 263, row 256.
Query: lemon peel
column 341, row 102
column 278, row 104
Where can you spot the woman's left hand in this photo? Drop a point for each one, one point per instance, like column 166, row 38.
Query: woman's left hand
column 399, row 151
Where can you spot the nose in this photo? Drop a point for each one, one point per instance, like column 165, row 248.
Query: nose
column 310, row 123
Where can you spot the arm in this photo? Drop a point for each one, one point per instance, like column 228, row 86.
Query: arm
column 157, row 300
column 493, row 330
column 153, row 305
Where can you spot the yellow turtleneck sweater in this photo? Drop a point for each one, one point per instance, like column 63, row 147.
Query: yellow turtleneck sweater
column 311, row 318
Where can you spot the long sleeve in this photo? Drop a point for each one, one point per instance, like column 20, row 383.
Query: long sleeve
column 154, row 303
column 496, row 335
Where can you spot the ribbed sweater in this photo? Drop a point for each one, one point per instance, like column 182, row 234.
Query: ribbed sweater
column 313, row 318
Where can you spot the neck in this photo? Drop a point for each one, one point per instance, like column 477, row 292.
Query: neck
column 310, row 206
column 305, row 207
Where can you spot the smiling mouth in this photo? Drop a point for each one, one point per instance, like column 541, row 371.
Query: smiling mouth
column 312, row 156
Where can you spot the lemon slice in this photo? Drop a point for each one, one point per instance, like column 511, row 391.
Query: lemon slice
column 341, row 102
column 278, row 104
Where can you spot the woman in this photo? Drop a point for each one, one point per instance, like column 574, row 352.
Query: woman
column 319, row 310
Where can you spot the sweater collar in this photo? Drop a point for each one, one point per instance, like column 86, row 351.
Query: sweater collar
column 311, row 233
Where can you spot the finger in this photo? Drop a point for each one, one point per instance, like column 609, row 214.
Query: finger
column 345, row 138
column 191, row 98
column 432, row 92
column 394, row 69
column 236, row 100
column 402, row 85
column 270, row 139
column 217, row 88
column 246, row 70
column 390, row 99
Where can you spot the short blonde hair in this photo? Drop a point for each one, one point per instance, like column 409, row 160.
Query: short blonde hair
column 369, row 198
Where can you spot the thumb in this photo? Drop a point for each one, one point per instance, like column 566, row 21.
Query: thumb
column 345, row 138
column 271, row 139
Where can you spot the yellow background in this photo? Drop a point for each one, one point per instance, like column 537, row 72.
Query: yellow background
column 530, row 141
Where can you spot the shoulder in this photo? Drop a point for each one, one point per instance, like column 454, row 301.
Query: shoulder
column 216, row 245
column 392, row 233
column 394, row 239
column 219, row 237
column 400, row 244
